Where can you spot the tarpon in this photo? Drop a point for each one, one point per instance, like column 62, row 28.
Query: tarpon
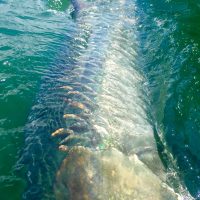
column 93, row 108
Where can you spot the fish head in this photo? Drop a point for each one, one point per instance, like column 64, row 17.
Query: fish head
column 107, row 174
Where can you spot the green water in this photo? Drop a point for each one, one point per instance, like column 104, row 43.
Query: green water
column 31, row 34
column 171, row 60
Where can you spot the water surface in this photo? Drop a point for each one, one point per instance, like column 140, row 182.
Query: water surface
column 31, row 32
column 32, row 35
column 169, row 32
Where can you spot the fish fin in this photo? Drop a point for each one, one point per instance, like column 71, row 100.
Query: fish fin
column 79, row 4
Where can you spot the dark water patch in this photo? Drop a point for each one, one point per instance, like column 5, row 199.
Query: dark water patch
column 10, row 32
column 5, row 48
column 26, row 17
column 170, row 35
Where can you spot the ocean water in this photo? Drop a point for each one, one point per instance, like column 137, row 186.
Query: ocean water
column 33, row 34
column 171, row 62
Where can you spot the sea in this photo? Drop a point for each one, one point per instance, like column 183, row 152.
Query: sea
column 33, row 33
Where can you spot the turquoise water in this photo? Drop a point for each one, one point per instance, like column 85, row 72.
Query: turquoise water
column 32, row 33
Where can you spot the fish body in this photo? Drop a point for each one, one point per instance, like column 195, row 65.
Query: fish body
column 78, row 4
column 93, row 106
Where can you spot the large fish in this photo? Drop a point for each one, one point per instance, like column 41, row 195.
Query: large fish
column 93, row 108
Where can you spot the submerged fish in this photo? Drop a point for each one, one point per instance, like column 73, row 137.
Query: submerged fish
column 93, row 107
